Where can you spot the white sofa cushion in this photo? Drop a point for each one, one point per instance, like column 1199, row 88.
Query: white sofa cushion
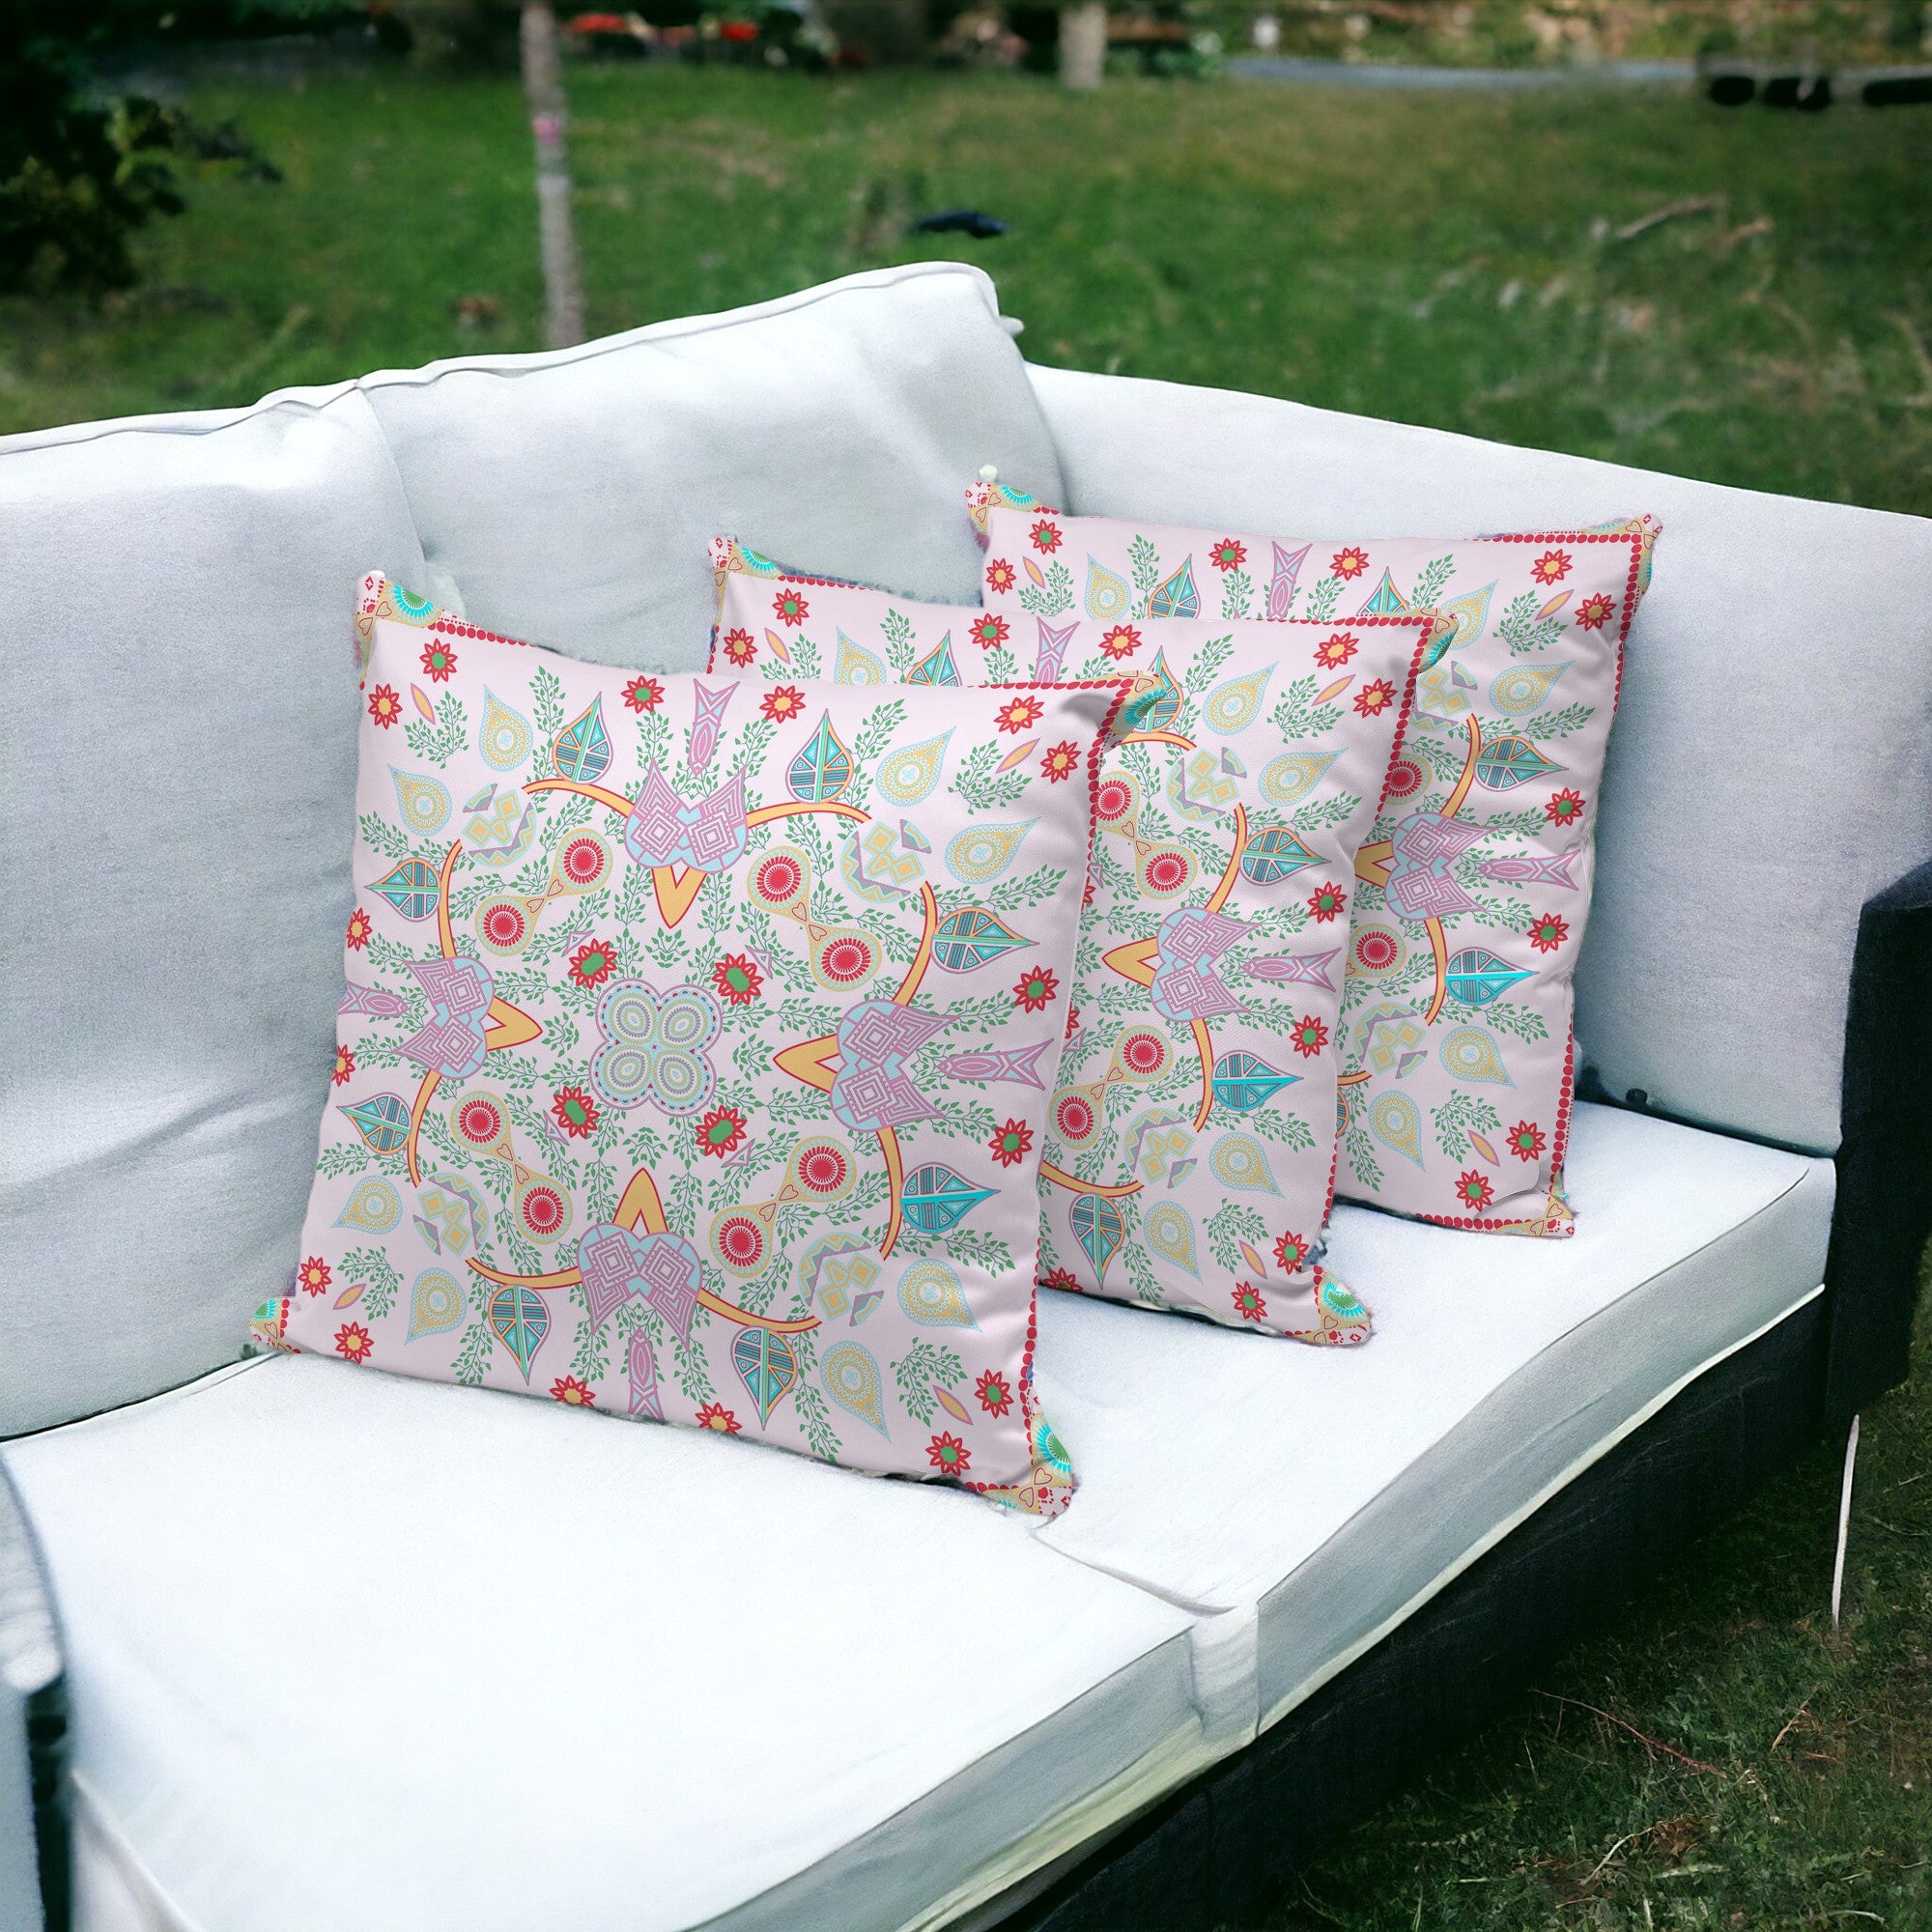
column 1772, row 763
column 1312, row 1500
column 177, row 823
column 345, row 1650
column 571, row 495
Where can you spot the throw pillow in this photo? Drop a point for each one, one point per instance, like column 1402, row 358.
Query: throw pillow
column 1473, row 891
column 670, row 1077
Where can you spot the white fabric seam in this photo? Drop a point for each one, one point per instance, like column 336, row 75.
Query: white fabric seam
column 1341, row 1662
column 535, row 362
column 195, row 1387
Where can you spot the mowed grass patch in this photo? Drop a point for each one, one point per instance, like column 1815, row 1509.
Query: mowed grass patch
column 1723, row 1757
column 1635, row 276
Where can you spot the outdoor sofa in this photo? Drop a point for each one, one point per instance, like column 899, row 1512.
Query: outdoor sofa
column 292, row 1648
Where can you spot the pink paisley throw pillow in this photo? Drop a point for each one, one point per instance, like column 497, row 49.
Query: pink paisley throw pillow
column 1190, row 1152
column 1474, row 890
column 660, row 1085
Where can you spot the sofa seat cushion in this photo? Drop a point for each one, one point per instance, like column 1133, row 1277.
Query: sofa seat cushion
column 347, row 1650
column 1314, row 1499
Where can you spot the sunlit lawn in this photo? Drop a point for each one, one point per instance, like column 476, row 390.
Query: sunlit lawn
column 1744, row 297
column 1468, row 262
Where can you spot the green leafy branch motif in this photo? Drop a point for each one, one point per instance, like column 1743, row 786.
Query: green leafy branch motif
column 1323, row 600
column 1459, row 1116
column 1053, row 599
column 915, row 1372
column 1432, row 580
column 1231, row 1224
column 373, row 1266
column 1523, row 630
column 1298, row 716
column 440, row 742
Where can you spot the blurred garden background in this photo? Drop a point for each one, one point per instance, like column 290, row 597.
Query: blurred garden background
column 1626, row 270
column 1523, row 219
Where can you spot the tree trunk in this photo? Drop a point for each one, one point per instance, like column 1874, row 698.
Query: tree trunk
column 1083, row 43
column 542, row 91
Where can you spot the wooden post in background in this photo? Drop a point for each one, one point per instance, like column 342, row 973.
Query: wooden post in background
column 1083, row 43
column 542, row 91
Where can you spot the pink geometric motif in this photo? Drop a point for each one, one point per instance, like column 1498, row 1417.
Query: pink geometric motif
column 460, row 992
column 707, row 836
column 1425, row 845
column 871, row 1090
column 617, row 1262
column 1185, row 986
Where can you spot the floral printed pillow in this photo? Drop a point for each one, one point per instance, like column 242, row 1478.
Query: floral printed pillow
column 677, row 1075
column 1190, row 1150
column 1472, row 894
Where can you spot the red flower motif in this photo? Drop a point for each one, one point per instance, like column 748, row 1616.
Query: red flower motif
column 385, row 706
column 991, row 631
column 995, row 1392
column 575, row 1112
column 1330, row 902
column 1064, row 1278
column 1308, row 1036
column 1349, row 563
column 1565, row 808
column 1549, row 932
column 1525, row 1140
column 360, row 927
column 722, row 1131
column 1551, row 567
column 950, row 1454
column 783, row 702
column 715, row 1415
column 739, row 646
column 345, row 1066
column 592, row 963
column 1290, row 1252
column 1036, row 990
column 1060, row 762
column 1122, row 641
column 1372, row 699
column 1473, row 1191
column 353, row 1342
column 1017, row 713
column 439, row 661
column 644, row 694
column 1001, row 575
column 313, row 1276
column 567, row 1388
column 1333, row 653
column 1249, row 1303
column 1045, row 537
column 1228, row 555
column 1594, row 612
column 790, row 606
column 1010, row 1143
column 738, row 980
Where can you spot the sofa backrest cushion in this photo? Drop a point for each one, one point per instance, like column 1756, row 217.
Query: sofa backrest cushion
column 1772, row 762
column 569, row 496
column 177, row 828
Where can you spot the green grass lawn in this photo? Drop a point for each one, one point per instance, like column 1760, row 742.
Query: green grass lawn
column 1476, row 262
column 1810, row 1800
column 1482, row 263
